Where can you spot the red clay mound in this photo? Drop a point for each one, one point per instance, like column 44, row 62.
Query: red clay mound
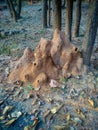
column 51, row 60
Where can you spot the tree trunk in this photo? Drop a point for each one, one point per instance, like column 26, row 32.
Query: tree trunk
column 49, row 12
column 63, row 5
column 8, row 3
column 18, row 8
column 91, row 31
column 15, row 13
column 12, row 10
column 44, row 13
column 57, row 14
column 78, row 18
column 69, row 11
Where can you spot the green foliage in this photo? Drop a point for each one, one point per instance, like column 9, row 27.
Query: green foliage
column 42, row 31
column 5, row 49
column 27, row 89
column 63, row 80
column 2, row 36
column 30, row 87
column 10, row 48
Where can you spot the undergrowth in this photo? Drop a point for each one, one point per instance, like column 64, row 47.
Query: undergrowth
column 5, row 49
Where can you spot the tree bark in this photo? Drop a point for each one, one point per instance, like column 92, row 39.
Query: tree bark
column 49, row 12
column 8, row 3
column 57, row 14
column 78, row 18
column 12, row 9
column 44, row 13
column 91, row 30
column 15, row 13
column 63, row 5
column 18, row 8
column 69, row 11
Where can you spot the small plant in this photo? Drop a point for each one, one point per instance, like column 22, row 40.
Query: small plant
column 42, row 31
column 2, row 36
column 5, row 49
column 63, row 80
column 30, row 87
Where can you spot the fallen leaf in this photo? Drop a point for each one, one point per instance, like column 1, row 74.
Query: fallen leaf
column 2, row 117
column 10, row 121
column 16, row 114
column 92, row 103
column 36, row 121
column 57, row 127
column 79, row 111
column 7, row 109
column 68, row 117
column 54, row 83
column 76, row 120
column 27, row 128
column 46, row 113
column 1, row 101
column 56, row 109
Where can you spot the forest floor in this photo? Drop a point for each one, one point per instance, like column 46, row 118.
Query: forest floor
column 74, row 106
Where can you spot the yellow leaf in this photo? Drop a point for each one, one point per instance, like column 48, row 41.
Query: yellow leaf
column 6, row 109
column 56, row 109
column 2, row 117
column 10, row 121
column 27, row 128
column 92, row 103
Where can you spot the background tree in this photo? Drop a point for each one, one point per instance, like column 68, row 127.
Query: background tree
column 15, row 8
column 49, row 12
column 57, row 13
column 89, row 39
column 78, row 18
column 63, row 3
column 69, row 11
column 44, row 13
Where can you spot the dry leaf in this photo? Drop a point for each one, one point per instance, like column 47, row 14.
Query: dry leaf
column 2, row 117
column 16, row 114
column 10, row 121
column 7, row 109
column 46, row 113
column 1, row 101
column 54, row 83
column 56, row 109
column 79, row 111
column 36, row 121
column 92, row 103
column 57, row 127
column 68, row 117
column 27, row 128
column 77, row 120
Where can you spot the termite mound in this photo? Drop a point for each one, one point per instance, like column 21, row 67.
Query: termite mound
column 52, row 59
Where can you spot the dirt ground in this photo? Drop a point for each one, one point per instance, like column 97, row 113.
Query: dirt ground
column 72, row 106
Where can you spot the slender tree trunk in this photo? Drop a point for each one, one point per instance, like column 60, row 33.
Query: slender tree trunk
column 12, row 9
column 18, row 8
column 63, row 5
column 57, row 14
column 69, row 11
column 78, row 18
column 8, row 3
column 49, row 12
column 91, row 30
column 44, row 13
column 15, row 12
